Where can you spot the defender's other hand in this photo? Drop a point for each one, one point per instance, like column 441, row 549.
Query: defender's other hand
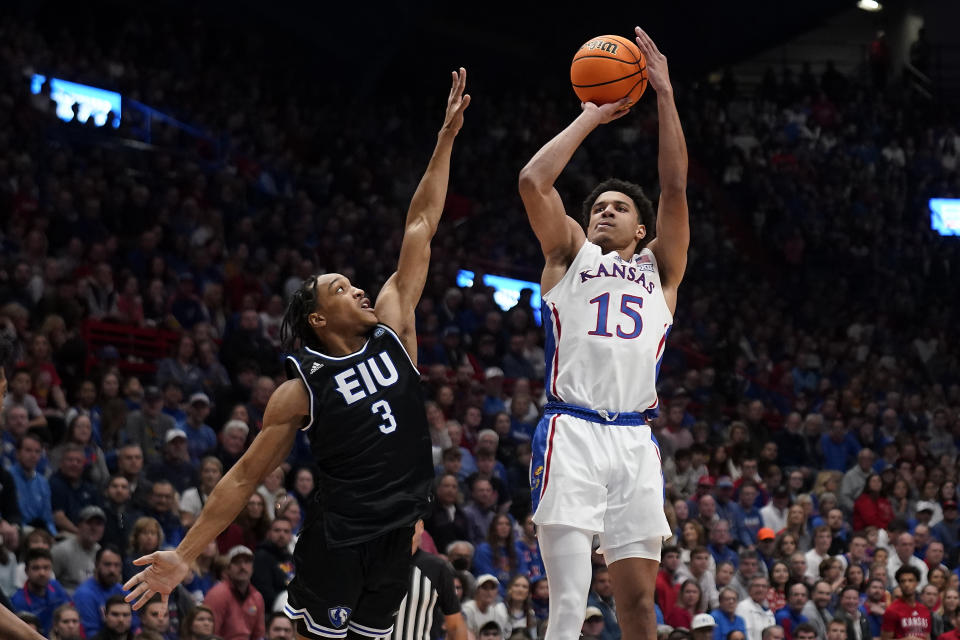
column 167, row 569
column 457, row 103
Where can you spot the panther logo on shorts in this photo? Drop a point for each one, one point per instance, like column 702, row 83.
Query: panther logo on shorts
column 338, row 615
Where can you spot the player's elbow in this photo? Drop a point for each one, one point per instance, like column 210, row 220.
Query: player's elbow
column 530, row 182
column 422, row 225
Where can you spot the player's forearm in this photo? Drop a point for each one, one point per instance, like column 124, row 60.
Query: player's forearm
column 226, row 501
column 672, row 159
column 426, row 206
column 547, row 164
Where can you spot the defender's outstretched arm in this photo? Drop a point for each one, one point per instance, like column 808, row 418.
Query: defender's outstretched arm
column 401, row 293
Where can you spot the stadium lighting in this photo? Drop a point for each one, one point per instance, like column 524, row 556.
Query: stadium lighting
column 869, row 5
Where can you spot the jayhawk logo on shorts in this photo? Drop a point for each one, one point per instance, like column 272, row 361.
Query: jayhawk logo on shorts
column 536, row 477
column 338, row 615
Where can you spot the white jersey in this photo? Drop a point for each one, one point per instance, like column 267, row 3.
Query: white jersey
column 606, row 324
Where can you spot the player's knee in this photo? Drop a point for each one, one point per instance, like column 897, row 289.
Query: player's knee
column 636, row 603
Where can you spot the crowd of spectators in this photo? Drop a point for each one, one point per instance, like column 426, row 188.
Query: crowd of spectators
column 811, row 389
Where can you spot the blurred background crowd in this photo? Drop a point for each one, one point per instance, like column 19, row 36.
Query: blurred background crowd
column 810, row 391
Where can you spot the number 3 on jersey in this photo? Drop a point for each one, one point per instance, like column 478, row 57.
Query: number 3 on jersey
column 382, row 408
column 603, row 307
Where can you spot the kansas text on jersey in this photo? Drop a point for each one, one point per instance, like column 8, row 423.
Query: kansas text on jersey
column 369, row 436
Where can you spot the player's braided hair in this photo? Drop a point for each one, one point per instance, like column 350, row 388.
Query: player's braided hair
column 295, row 330
column 645, row 214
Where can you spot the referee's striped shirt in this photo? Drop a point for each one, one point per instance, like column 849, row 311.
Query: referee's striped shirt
column 430, row 598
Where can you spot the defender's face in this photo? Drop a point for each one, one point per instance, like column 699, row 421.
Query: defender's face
column 341, row 305
column 614, row 221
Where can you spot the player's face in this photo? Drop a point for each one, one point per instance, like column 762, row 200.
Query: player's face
column 341, row 307
column 614, row 221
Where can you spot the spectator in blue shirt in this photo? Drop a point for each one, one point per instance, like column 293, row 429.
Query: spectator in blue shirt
column 499, row 554
column 33, row 490
column 163, row 508
column 746, row 516
column 69, row 492
column 720, row 544
column 40, row 595
column 201, row 438
column 839, row 446
column 91, row 596
column 725, row 615
column 791, row 615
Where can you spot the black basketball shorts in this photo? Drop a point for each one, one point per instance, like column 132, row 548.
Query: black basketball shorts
column 356, row 588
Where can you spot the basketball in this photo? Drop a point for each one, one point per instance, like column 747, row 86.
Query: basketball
column 608, row 68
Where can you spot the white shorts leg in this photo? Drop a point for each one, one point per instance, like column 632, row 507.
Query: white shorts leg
column 635, row 496
column 648, row 549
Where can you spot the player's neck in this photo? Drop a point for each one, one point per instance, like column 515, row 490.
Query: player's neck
column 626, row 253
column 909, row 601
column 339, row 346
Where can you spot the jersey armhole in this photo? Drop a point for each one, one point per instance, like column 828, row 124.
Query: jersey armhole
column 292, row 360
column 570, row 268
column 400, row 342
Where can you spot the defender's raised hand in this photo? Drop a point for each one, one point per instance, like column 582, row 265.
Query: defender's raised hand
column 457, row 103
column 658, row 75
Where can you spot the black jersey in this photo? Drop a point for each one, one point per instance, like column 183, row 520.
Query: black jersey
column 369, row 436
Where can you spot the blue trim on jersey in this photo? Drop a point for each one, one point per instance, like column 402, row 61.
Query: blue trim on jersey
column 538, row 461
column 660, row 359
column 623, row 418
column 655, row 411
column 549, row 346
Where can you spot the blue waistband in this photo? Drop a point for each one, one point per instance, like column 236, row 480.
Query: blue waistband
column 625, row 418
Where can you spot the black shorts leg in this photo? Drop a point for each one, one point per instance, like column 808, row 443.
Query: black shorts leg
column 388, row 579
column 351, row 591
column 326, row 587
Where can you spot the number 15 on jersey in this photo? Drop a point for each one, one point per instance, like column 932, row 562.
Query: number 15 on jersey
column 627, row 304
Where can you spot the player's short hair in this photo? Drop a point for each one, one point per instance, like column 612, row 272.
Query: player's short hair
column 670, row 549
column 645, row 214
column 804, row 627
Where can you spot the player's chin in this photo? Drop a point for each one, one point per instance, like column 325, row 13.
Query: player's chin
column 367, row 317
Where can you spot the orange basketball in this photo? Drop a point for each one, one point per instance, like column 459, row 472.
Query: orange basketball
column 608, row 68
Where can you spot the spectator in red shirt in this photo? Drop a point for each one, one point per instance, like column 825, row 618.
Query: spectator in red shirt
column 871, row 508
column 905, row 617
column 237, row 606
column 689, row 605
column 667, row 589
